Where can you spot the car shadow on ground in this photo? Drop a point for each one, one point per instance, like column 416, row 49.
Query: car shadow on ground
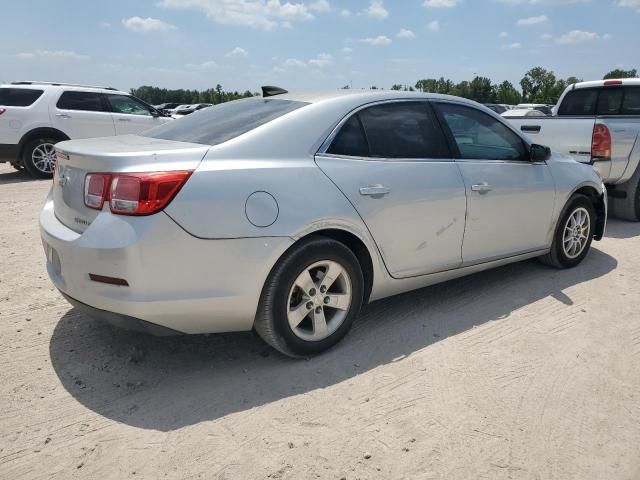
column 622, row 229
column 16, row 176
column 168, row 383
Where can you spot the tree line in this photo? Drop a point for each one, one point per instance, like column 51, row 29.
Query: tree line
column 538, row 85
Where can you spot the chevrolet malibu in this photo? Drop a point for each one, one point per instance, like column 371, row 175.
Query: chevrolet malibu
column 286, row 213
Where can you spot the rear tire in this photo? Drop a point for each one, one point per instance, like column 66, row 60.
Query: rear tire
column 574, row 234
column 304, row 309
column 627, row 208
column 17, row 165
column 38, row 157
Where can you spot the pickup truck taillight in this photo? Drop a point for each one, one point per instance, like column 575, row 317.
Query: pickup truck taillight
column 601, row 142
column 133, row 193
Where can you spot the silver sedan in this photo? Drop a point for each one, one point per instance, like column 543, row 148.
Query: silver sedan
column 286, row 213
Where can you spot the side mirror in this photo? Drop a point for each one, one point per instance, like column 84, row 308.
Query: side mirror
column 539, row 153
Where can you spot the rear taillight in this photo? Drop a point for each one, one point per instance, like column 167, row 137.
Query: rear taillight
column 133, row 193
column 601, row 142
column 96, row 188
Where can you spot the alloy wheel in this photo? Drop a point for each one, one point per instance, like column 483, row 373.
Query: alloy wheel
column 44, row 157
column 576, row 233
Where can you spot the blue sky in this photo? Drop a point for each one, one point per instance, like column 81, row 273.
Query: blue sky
column 312, row 44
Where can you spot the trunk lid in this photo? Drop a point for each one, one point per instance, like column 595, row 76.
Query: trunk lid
column 126, row 153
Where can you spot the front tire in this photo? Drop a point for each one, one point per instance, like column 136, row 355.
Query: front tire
column 311, row 298
column 574, row 234
column 39, row 158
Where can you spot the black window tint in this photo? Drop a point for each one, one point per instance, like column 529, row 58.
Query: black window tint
column 350, row 140
column 481, row 136
column 85, row 101
column 403, row 130
column 631, row 103
column 19, row 97
column 609, row 101
column 579, row 102
column 222, row 122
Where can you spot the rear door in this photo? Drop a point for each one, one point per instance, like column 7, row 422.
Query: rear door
column 510, row 200
column 392, row 162
column 131, row 115
column 81, row 114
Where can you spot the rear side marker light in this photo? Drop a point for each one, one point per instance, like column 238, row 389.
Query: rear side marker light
column 110, row 280
column 133, row 193
column 601, row 142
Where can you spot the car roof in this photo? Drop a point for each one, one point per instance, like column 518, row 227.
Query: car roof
column 47, row 86
column 601, row 83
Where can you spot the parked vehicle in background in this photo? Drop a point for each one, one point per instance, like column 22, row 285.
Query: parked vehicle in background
column 166, row 107
column 34, row 116
column 183, row 110
column 499, row 109
column 287, row 213
column 523, row 112
column 546, row 109
column 598, row 123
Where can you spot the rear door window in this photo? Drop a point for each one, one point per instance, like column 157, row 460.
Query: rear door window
column 609, row 101
column 84, row 101
column 19, row 97
column 579, row 102
column 350, row 141
column 222, row 122
column 631, row 102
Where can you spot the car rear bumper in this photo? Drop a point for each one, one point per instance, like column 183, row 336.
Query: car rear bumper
column 175, row 281
column 8, row 152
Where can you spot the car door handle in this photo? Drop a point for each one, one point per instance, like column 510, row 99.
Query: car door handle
column 531, row 128
column 63, row 115
column 374, row 190
column 481, row 188
column 124, row 119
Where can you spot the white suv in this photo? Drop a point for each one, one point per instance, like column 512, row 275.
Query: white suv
column 36, row 115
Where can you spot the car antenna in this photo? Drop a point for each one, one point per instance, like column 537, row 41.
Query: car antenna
column 270, row 91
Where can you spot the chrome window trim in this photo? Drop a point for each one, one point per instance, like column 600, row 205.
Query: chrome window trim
column 385, row 159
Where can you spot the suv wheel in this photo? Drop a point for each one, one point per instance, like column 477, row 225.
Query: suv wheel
column 39, row 157
column 311, row 298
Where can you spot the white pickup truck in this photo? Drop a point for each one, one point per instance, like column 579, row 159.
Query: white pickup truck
column 598, row 123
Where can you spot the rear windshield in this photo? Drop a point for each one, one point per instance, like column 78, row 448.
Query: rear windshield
column 217, row 124
column 18, row 97
column 579, row 102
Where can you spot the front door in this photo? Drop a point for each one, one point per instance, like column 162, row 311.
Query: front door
column 392, row 162
column 510, row 199
column 131, row 116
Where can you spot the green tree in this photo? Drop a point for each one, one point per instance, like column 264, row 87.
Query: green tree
column 396, row 86
column 618, row 73
column 507, row 94
column 462, row 89
column 538, row 86
column 481, row 90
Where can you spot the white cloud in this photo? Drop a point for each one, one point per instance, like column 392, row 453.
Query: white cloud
column 347, row 50
column 345, row 12
column 294, row 62
column 503, row 34
column 630, row 3
column 145, row 25
column 209, row 64
column 533, row 20
column 405, row 33
column 58, row 54
column 236, row 52
column 320, row 61
column 320, row 6
column 376, row 10
column 513, row 46
column 105, row 25
column 546, row 36
column 263, row 14
column 577, row 36
column 441, row 3
column 434, row 26
column 380, row 40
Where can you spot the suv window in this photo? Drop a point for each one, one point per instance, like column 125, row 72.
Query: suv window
column 127, row 105
column 481, row 136
column 222, row 122
column 84, row 101
column 579, row 102
column 350, row 141
column 609, row 101
column 631, row 102
column 19, row 97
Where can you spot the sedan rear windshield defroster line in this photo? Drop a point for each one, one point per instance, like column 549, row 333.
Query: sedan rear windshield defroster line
column 220, row 123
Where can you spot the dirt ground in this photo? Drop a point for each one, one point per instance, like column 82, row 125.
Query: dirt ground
column 523, row 372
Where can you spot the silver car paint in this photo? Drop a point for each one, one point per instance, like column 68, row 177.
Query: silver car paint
column 200, row 266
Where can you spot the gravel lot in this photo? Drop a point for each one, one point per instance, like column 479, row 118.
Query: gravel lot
column 519, row 373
